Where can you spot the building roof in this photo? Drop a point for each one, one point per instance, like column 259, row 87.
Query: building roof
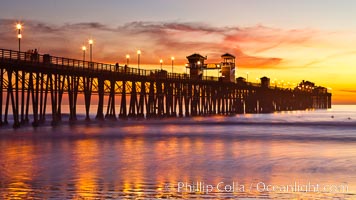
column 240, row 78
column 195, row 55
column 228, row 55
column 265, row 78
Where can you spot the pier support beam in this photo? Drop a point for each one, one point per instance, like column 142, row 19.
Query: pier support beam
column 123, row 112
column 14, row 98
column 142, row 100
column 100, row 112
column 133, row 100
column 110, row 112
column 88, row 84
column 151, row 103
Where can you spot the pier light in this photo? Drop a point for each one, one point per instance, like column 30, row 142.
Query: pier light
column 172, row 58
column 91, row 42
column 247, row 76
column 161, row 61
column 138, row 58
column 19, row 35
column 198, row 63
column 84, row 48
column 127, row 59
column 18, row 26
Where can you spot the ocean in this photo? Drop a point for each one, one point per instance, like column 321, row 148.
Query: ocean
column 285, row 155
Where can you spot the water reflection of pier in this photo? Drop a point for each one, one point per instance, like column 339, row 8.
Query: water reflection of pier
column 35, row 83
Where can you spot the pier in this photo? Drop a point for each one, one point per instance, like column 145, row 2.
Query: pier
column 29, row 84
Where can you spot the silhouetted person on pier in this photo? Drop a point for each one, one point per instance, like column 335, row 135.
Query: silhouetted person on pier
column 35, row 55
column 117, row 67
column 32, row 55
column 125, row 68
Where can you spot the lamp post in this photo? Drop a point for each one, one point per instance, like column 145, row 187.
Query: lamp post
column 172, row 58
column 91, row 42
column 246, row 76
column 161, row 61
column 138, row 58
column 186, row 68
column 19, row 35
column 84, row 48
column 127, row 59
column 218, row 66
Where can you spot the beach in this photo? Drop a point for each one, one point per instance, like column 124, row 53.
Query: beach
column 297, row 154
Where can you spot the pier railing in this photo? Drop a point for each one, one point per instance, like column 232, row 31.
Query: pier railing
column 61, row 62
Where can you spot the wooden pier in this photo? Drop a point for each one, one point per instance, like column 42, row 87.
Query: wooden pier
column 29, row 84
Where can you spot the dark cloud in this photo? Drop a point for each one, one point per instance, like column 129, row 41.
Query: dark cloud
column 158, row 27
column 45, row 28
column 348, row 90
column 89, row 25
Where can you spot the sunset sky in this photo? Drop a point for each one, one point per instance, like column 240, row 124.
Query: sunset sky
column 282, row 39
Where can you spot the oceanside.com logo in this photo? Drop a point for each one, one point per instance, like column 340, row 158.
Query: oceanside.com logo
column 236, row 187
